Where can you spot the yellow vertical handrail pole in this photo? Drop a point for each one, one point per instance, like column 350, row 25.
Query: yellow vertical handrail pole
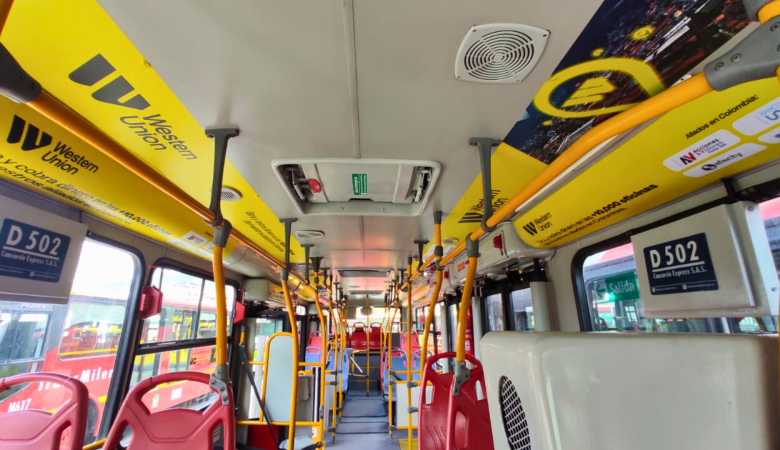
column 343, row 318
column 438, row 252
column 336, row 355
column 294, row 331
column 368, row 347
column 323, row 348
column 409, row 357
column 390, row 383
column 463, row 312
column 295, row 350
column 219, row 285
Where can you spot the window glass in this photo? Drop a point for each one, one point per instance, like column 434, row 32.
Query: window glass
column 189, row 311
column 522, row 310
column 78, row 340
column 208, row 312
column 495, row 312
column 185, row 394
column 453, row 324
column 615, row 302
column 437, row 318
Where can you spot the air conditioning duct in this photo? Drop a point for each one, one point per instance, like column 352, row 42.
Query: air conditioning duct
column 365, row 187
column 261, row 290
column 498, row 250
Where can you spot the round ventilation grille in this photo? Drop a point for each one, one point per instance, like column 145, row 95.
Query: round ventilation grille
column 513, row 416
column 499, row 53
column 228, row 194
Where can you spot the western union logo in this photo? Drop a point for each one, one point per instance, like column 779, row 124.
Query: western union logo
column 34, row 139
column 530, row 228
column 96, row 70
column 539, row 224
column 62, row 157
column 153, row 129
column 474, row 214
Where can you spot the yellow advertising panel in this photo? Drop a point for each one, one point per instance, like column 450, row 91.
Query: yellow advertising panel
column 510, row 171
column 44, row 158
column 714, row 137
column 80, row 56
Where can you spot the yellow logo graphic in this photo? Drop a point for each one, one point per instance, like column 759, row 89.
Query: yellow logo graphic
column 592, row 90
column 596, row 53
column 642, row 33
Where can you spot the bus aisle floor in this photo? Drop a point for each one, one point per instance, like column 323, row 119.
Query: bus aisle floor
column 364, row 424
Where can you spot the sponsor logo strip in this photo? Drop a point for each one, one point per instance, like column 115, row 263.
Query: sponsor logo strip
column 725, row 160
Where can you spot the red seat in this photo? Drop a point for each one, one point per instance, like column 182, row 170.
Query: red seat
column 172, row 429
column 415, row 340
column 375, row 337
column 315, row 339
column 40, row 430
column 359, row 339
column 453, row 422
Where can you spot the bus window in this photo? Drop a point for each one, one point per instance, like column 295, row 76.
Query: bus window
column 614, row 302
column 494, row 309
column 78, row 340
column 208, row 315
column 188, row 318
column 522, row 310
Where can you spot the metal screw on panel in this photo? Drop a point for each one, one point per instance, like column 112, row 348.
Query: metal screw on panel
column 774, row 289
column 751, row 209
column 774, row 26
column 736, row 57
column 719, row 66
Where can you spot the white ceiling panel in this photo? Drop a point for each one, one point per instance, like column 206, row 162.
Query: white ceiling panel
column 341, row 80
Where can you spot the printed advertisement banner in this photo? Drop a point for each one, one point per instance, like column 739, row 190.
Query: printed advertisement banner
column 80, row 56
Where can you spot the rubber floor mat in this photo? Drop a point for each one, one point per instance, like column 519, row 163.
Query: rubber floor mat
column 361, row 428
column 374, row 407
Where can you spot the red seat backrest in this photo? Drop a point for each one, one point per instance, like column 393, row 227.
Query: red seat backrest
column 453, row 422
column 172, row 429
column 375, row 337
column 359, row 339
column 415, row 340
column 315, row 339
column 40, row 430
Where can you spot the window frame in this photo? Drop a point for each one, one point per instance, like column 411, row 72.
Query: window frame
column 489, row 289
column 578, row 278
column 762, row 193
column 185, row 344
column 131, row 330
column 157, row 347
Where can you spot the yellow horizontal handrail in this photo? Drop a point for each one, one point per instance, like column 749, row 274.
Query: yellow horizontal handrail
column 675, row 96
column 57, row 112
column 282, row 424
column 95, row 445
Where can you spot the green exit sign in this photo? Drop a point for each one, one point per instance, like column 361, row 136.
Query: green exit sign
column 359, row 184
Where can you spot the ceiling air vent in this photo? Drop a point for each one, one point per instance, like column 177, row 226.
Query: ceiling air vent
column 499, row 52
column 365, row 292
column 357, row 273
column 228, row 194
column 513, row 416
column 363, row 187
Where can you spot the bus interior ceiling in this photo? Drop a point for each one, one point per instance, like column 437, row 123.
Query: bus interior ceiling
column 352, row 122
